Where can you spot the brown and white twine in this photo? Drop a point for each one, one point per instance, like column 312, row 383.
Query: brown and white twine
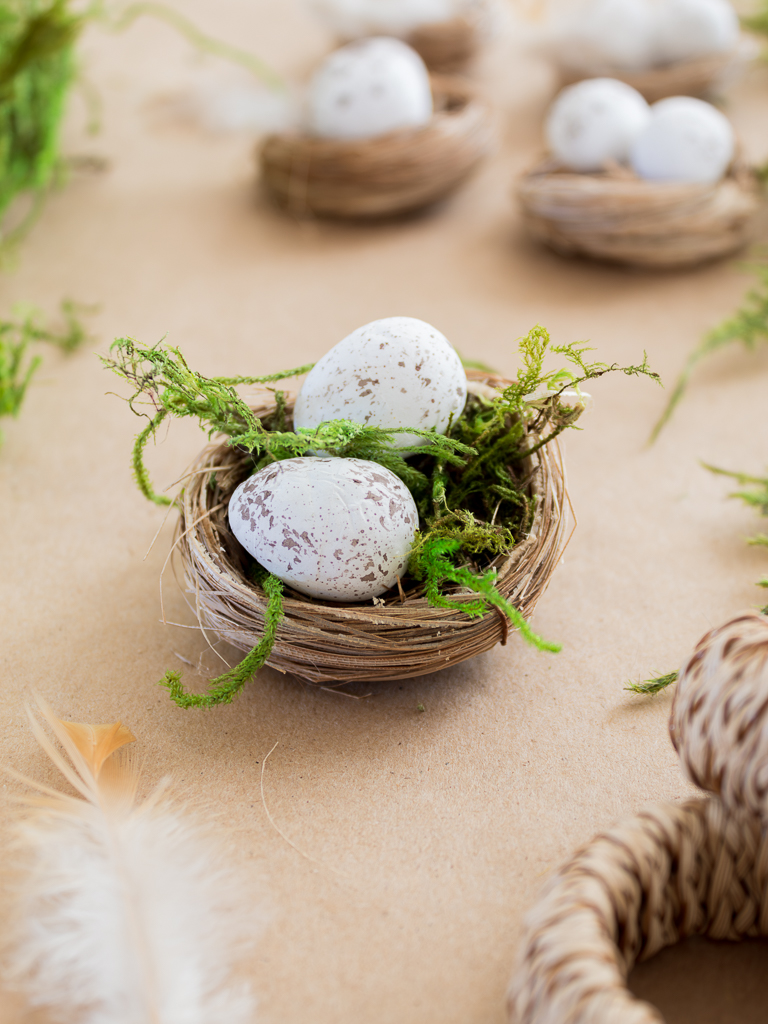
column 672, row 871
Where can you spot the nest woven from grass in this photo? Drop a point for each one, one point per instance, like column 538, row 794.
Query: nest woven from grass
column 388, row 175
column 701, row 76
column 614, row 215
column 672, row 871
column 323, row 642
column 448, row 47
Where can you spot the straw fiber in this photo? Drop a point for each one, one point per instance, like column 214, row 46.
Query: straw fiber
column 616, row 216
column 388, row 175
column 324, row 642
column 673, row 871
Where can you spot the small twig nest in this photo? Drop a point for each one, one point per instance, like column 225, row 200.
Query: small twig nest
column 321, row 642
column 448, row 47
column 673, row 871
column 701, row 76
column 388, row 175
column 614, row 215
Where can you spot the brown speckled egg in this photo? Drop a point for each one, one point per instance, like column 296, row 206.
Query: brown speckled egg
column 397, row 372
column 335, row 529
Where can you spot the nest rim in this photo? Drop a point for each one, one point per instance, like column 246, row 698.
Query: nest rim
column 388, row 175
column 616, row 216
column 398, row 636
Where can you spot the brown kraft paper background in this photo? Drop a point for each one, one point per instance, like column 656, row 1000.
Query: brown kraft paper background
column 422, row 836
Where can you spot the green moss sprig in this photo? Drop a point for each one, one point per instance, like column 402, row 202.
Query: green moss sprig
column 471, row 485
column 650, row 687
column 748, row 327
column 757, row 22
column 37, row 68
column 17, row 365
column 754, row 494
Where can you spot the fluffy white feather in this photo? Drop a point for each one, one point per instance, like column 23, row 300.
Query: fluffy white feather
column 123, row 911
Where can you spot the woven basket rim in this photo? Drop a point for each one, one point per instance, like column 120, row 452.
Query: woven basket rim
column 618, row 216
column 396, row 639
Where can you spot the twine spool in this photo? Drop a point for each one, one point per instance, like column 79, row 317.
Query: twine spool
column 719, row 722
column 669, row 873
column 616, row 216
column 392, row 174
column 324, row 642
column 672, row 871
column 701, row 76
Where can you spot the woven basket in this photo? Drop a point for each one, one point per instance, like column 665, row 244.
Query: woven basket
column 702, row 76
column 391, row 174
column 616, row 216
column 673, row 871
column 323, row 642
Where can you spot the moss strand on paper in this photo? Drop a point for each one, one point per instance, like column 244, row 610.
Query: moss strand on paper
column 17, row 366
column 37, row 68
column 748, row 326
column 225, row 688
column 650, row 687
column 200, row 40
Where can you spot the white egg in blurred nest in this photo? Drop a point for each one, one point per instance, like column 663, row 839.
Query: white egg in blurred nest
column 396, row 372
column 685, row 140
column 369, row 88
column 354, row 18
column 606, row 34
column 334, row 529
column 595, row 121
column 686, row 29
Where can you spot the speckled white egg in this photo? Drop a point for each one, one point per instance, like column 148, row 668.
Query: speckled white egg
column 595, row 121
column 353, row 18
column 686, row 29
column 607, row 34
column 334, row 529
column 369, row 88
column 397, row 372
column 685, row 140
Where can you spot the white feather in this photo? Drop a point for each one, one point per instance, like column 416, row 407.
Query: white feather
column 124, row 913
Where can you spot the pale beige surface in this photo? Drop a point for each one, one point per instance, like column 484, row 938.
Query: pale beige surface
column 427, row 834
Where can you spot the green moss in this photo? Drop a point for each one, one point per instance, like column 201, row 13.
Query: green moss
column 17, row 365
column 224, row 689
column 37, row 65
column 649, row 687
column 471, row 485
column 37, row 68
column 748, row 327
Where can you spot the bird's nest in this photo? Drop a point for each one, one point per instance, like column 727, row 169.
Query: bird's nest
column 699, row 76
column 449, row 47
column 388, row 175
column 614, row 215
column 395, row 637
